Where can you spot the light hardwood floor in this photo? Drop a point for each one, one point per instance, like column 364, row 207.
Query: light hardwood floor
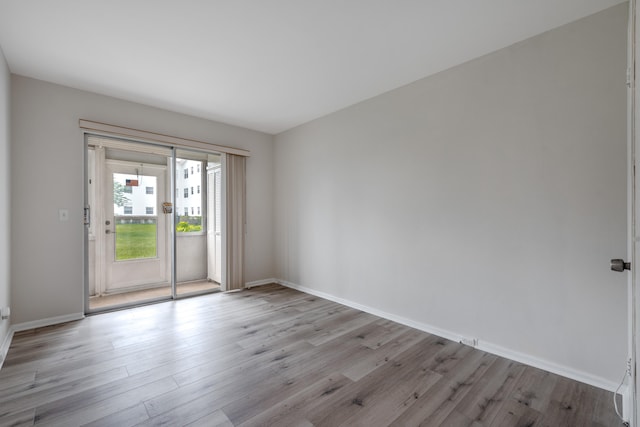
column 272, row 356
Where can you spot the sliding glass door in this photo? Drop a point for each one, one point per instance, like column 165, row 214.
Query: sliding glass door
column 152, row 223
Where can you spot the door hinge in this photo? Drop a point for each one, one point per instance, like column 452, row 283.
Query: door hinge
column 629, row 76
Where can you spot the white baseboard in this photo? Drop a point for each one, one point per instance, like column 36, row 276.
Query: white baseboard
column 526, row 359
column 547, row 365
column 47, row 322
column 4, row 348
column 260, row 283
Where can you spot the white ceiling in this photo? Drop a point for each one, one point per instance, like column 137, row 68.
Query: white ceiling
column 268, row 65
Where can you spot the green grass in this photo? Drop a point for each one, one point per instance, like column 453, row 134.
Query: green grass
column 185, row 227
column 135, row 241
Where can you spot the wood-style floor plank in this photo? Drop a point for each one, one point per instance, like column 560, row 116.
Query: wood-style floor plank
column 82, row 412
column 273, row 356
column 288, row 412
column 129, row 417
column 216, row 419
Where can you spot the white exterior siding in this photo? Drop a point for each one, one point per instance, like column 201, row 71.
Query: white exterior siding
column 139, row 201
column 189, row 187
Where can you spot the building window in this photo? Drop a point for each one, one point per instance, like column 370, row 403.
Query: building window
column 128, row 189
column 186, row 211
column 128, row 210
column 149, row 210
column 191, row 210
column 191, row 190
column 186, row 193
column 198, row 210
column 198, row 189
column 198, row 167
column 149, row 190
column 186, row 172
column 191, row 170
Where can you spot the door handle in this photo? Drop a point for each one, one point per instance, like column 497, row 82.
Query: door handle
column 620, row 265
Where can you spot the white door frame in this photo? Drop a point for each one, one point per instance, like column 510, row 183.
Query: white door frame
column 631, row 409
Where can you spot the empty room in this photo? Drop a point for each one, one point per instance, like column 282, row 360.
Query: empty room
column 323, row 213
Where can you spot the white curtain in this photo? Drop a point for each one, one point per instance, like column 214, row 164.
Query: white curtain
column 235, row 183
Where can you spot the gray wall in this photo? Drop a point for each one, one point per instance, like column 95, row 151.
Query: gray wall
column 47, row 165
column 5, row 164
column 484, row 201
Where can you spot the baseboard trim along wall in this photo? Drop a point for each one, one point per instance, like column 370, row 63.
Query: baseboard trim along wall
column 263, row 282
column 49, row 321
column 526, row 359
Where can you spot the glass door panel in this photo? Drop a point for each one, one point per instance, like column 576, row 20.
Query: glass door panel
column 195, row 203
column 130, row 236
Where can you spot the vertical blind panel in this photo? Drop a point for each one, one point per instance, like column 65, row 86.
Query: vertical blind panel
column 236, row 216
